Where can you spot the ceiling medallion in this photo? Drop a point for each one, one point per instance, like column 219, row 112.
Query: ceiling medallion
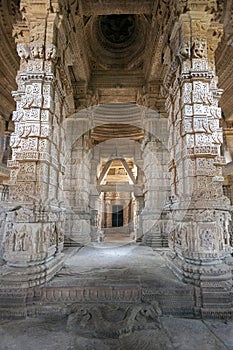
column 117, row 29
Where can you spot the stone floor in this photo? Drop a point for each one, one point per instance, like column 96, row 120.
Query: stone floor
column 115, row 263
column 128, row 265
column 175, row 333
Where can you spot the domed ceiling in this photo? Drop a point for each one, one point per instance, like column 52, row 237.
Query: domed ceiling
column 116, row 50
column 116, row 42
column 117, row 29
column 9, row 13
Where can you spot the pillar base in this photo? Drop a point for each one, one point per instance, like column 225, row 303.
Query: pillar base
column 78, row 227
column 153, row 234
column 213, row 281
column 30, row 275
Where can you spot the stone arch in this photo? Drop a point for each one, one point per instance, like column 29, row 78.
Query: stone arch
column 103, row 132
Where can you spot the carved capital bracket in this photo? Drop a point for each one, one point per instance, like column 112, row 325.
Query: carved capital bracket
column 151, row 96
column 37, row 51
column 84, row 96
column 193, row 42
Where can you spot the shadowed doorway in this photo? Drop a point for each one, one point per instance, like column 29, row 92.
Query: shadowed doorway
column 117, row 215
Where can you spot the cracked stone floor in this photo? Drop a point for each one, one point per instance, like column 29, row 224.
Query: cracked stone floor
column 114, row 263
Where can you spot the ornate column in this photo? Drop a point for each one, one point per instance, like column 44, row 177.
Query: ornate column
column 108, row 205
column 33, row 227
column 200, row 216
column 77, row 179
column 96, row 204
column 79, row 186
column 155, row 190
column 139, row 205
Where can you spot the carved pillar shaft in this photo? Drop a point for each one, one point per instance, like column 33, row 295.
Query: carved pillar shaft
column 199, row 210
column 33, row 232
column 139, row 205
column 155, row 190
column 108, row 214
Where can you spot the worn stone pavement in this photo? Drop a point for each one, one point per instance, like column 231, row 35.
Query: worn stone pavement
column 112, row 263
column 115, row 263
column 183, row 334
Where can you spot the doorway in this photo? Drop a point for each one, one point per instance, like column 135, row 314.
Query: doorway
column 117, row 216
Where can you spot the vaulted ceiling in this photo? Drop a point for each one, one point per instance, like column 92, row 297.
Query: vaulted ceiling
column 9, row 12
column 115, row 53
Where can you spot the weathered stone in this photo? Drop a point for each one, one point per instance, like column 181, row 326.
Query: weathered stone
column 116, row 130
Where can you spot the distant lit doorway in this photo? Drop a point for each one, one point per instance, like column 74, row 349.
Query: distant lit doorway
column 117, row 216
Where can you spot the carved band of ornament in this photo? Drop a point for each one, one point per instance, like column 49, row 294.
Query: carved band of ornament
column 34, row 156
column 203, row 150
column 207, row 75
column 80, row 294
column 41, row 76
column 12, row 164
column 27, row 155
column 220, row 160
column 37, row 51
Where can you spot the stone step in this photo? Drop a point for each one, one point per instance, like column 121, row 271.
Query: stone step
column 156, row 241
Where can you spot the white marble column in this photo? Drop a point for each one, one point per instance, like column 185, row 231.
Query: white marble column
column 200, row 213
column 33, row 223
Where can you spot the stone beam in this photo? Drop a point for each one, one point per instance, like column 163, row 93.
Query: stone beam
column 120, row 188
column 128, row 170
column 108, row 7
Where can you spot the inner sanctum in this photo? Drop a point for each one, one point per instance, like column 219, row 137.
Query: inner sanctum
column 116, row 127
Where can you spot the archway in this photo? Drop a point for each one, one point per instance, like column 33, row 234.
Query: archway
column 117, row 213
column 117, row 160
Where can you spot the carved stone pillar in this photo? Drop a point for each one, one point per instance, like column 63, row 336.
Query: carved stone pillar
column 78, row 191
column 78, row 179
column 200, row 216
column 96, row 204
column 108, row 204
column 139, row 205
column 155, row 190
column 126, row 212
column 33, row 228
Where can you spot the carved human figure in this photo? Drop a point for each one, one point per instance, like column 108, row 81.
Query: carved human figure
column 23, row 239
column 53, row 235
column 37, row 51
column 40, row 51
column 27, row 243
column 199, row 49
column 50, row 53
column 9, row 242
column 185, row 49
column 19, row 241
column 23, row 51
